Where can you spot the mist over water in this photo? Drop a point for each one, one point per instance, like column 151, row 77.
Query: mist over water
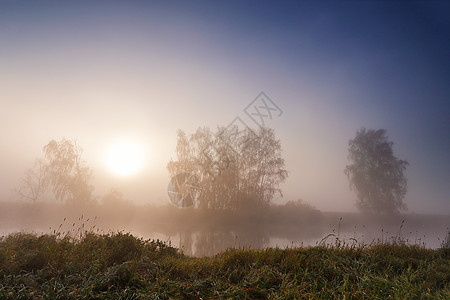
column 119, row 79
column 206, row 233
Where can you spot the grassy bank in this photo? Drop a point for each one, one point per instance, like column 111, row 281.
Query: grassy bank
column 119, row 265
column 217, row 230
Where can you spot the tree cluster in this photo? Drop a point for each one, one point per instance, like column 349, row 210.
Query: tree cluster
column 230, row 169
column 62, row 172
column 235, row 169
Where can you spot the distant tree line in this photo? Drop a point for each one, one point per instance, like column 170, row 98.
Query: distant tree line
column 234, row 169
column 242, row 169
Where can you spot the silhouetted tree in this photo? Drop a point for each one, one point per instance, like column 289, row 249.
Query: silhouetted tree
column 375, row 173
column 235, row 168
column 66, row 172
column 32, row 185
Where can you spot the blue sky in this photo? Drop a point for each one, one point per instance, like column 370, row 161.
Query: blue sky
column 100, row 70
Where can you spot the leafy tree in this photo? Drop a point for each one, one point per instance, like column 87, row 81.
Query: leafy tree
column 234, row 168
column 375, row 173
column 66, row 172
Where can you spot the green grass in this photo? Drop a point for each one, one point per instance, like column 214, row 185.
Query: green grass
column 121, row 266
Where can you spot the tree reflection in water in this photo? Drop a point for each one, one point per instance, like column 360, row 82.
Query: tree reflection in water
column 209, row 242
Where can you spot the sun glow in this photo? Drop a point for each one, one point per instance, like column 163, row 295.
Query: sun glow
column 125, row 158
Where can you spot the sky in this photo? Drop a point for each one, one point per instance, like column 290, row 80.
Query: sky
column 103, row 71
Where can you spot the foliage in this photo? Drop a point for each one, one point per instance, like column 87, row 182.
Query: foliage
column 235, row 168
column 62, row 171
column 120, row 266
column 66, row 172
column 375, row 173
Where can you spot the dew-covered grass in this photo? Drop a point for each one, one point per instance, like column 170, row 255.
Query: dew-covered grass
column 121, row 266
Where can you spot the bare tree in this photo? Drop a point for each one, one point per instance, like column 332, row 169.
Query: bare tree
column 375, row 173
column 32, row 184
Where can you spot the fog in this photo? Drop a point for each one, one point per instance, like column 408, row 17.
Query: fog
column 206, row 233
column 103, row 74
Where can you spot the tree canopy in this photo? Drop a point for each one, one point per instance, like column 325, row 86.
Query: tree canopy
column 234, row 168
column 61, row 172
column 66, row 172
column 375, row 173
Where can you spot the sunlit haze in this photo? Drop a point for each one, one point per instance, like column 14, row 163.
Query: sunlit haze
column 125, row 157
column 121, row 77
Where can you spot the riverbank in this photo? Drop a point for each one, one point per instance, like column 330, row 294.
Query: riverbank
column 208, row 232
column 119, row 265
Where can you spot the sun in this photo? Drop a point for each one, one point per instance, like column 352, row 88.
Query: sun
column 125, row 158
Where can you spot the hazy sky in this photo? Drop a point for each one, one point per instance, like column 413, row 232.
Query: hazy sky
column 101, row 71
